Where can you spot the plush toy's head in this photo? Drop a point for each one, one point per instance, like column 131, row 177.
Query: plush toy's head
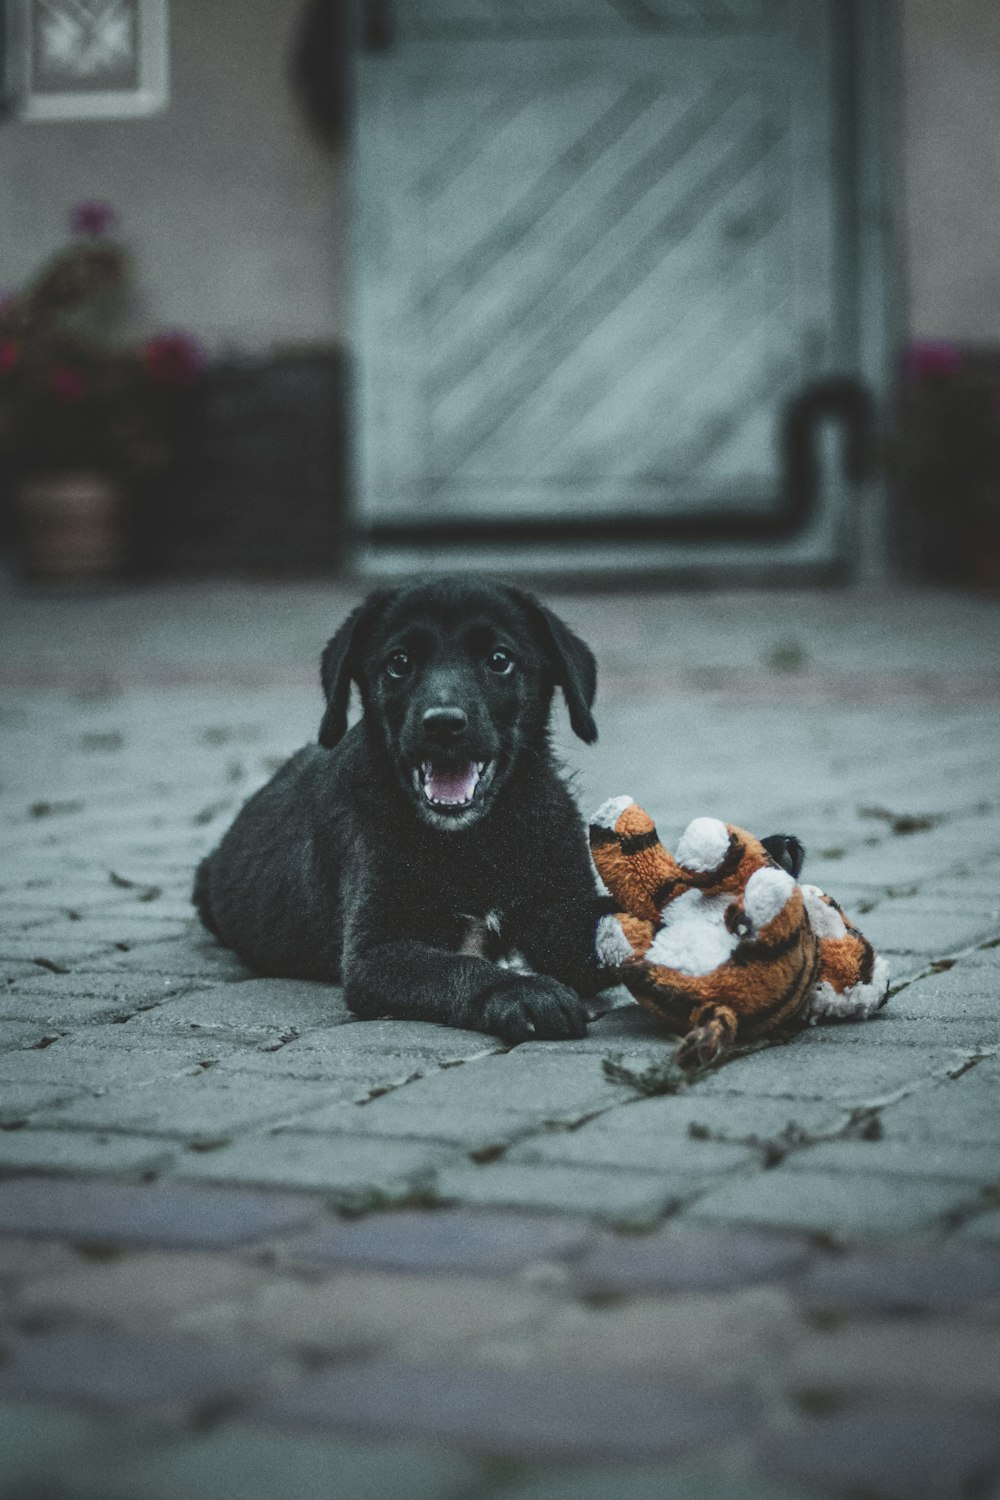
column 718, row 941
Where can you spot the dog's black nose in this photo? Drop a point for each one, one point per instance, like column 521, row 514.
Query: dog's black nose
column 444, row 724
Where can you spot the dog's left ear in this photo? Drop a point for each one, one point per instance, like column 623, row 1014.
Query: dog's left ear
column 339, row 667
column 573, row 666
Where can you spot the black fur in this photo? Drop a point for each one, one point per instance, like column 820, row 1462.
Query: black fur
column 340, row 869
column 787, row 851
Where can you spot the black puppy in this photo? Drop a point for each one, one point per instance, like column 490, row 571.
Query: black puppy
column 432, row 857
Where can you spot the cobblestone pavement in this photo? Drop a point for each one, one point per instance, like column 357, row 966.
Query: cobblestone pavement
column 250, row 1246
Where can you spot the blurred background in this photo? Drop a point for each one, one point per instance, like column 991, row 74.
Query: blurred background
column 699, row 288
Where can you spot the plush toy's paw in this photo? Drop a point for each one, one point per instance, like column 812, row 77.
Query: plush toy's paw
column 855, row 1003
column 610, row 943
column 853, row 981
column 703, row 845
column 767, row 894
column 706, row 1042
column 609, row 812
column 629, row 857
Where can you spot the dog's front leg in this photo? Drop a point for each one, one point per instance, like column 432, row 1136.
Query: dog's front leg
column 412, row 978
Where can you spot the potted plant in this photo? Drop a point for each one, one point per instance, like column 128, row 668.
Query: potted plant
column 946, row 454
column 85, row 417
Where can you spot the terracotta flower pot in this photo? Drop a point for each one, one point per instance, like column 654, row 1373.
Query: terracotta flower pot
column 71, row 526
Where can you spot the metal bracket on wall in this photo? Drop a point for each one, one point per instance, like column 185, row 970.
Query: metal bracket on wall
column 376, row 25
column 841, row 398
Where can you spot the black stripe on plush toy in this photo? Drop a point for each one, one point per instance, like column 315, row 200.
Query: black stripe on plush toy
column 785, row 1006
column 673, row 1005
column 701, row 879
column 601, row 837
column 757, row 950
column 635, row 843
column 867, row 966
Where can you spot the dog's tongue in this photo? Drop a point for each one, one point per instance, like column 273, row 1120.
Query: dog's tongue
column 450, row 783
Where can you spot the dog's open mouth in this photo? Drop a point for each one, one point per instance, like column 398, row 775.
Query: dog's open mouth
column 452, row 788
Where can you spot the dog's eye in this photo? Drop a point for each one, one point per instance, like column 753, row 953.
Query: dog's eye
column 500, row 661
column 399, row 664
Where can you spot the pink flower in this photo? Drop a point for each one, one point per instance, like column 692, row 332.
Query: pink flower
column 10, row 353
column 67, row 384
column 932, row 358
column 92, row 217
column 173, row 358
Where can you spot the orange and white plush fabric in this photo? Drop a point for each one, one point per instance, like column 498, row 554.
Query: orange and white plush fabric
column 718, row 941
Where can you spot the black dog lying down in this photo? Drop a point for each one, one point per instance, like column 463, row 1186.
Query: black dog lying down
column 431, row 857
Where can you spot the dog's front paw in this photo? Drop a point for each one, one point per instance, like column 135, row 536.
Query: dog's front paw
column 534, row 1008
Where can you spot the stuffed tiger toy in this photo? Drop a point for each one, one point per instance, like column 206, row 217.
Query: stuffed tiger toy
column 720, row 942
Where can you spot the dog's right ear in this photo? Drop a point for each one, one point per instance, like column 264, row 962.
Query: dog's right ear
column 339, row 667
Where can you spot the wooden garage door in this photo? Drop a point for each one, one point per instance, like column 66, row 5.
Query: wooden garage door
column 596, row 256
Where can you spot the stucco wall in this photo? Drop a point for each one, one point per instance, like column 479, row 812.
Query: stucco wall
column 234, row 212
column 951, row 72
column 238, row 217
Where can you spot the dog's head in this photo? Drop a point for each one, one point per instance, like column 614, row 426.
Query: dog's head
column 456, row 678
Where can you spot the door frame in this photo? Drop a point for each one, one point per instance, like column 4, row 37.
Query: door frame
column 831, row 426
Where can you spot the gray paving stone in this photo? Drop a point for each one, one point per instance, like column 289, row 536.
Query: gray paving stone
column 983, row 1227
column 972, row 977
column 253, row 1007
column 254, row 1464
column 729, row 1116
column 352, row 1169
column 934, row 1453
column 717, row 1474
column 547, row 1085
column 903, row 1279
column 443, row 1044
column 710, row 1343
column 115, row 930
column 959, row 1112
column 912, row 928
column 202, row 1104
column 630, row 1197
column 817, row 1073
column 60, row 1454
column 591, row 1147
column 101, row 1367
column 968, row 1161
column 17, row 1034
column 315, row 1058
column 687, row 1260
column 91, row 1061
column 81, row 997
column 836, row 1204
column 409, row 1317
column 21, row 1257
column 164, row 1215
column 80, row 1151
column 14, row 969
column 499, row 1412
column 66, row 953
column 391, row 1115
column 973, row 1015
column 138, row 1291
column 469, row 1243
column 188, row 957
